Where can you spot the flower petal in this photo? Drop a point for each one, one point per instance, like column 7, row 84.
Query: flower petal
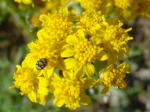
column 81, row 35
column 89, row 82
column 32, row 96
column 123, row 84
column 61, row 64
column 105, row 90
column 58, row 102
column 73, row 40
column 99, row 82
column 42, row 86
column 48, row 73
column 85, row 100
column 51, row 88
column 67, row 53
column 121, row 55
column 127, row 50
column 89, row 69
column 70, row 62
column 124, row 67
column 79, row 72
column 104, row 56
column 112, row 58
column 95, row 40
column 68, row 73
column 43, row 83
column 43, row 18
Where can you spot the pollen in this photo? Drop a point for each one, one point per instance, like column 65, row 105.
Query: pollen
column 85, row 51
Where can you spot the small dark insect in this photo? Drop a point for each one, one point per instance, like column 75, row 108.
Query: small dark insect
column 41, row 63
column 60, row 72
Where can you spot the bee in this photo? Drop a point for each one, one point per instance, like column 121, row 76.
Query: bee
column 41, row 63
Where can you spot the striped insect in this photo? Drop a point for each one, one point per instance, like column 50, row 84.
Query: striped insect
column 41, row 63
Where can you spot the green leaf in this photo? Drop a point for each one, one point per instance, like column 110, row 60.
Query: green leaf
column 99, row 66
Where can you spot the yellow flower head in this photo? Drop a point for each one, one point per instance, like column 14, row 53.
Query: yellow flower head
column 123, row 3
column 69, row 90
column 135, row 9
column 115, row 41
column 56, row 25
column 25, row 79
column 114, row 76
column 91, row 4
column 84, row 50
column 142, row 7
column 104, row 6
column 91, row 21
column 24, row 1
column 46, row 49
column 29, row 82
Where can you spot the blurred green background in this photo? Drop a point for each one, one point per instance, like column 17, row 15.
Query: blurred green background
column 16, row 32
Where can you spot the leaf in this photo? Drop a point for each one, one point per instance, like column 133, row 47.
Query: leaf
column 99, row 66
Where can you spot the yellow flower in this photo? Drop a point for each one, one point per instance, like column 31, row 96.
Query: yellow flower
column 123, row 3
column 82, row 50
column 35, row 97
column 104, row 6
column 24, row 1
column 113, row 76
column 42, row 93
column 135, row 9
column 69, row 90
column 47, row 49
column 57, row 26
column 29, row 82
column 75, row 46
column 91, row 21
column 91, row 4
column 44, row 84
column 25, row 79
column 115, row 42
column 141, row 8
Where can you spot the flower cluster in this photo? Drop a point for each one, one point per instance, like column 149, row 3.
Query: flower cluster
column 123, row 9
column 73, row 51
column 120, row 9
column 41, row 7
column 62, row 61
